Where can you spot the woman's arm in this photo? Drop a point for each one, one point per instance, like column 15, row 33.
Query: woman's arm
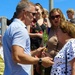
column 72, row 62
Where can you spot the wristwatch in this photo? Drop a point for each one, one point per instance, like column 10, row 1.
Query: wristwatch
column 40, row 61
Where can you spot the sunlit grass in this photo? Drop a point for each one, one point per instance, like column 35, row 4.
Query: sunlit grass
column 1, row 66
column 45, row 37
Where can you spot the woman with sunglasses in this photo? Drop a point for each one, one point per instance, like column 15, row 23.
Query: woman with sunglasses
column 55, row 17
column 64, row 61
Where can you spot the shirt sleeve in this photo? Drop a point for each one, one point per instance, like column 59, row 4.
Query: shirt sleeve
column 71, row 50
column 19, row 37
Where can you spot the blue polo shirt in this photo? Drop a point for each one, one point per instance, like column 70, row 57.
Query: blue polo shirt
column 16, row 34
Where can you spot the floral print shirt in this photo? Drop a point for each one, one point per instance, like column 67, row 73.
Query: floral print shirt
column 58, row 67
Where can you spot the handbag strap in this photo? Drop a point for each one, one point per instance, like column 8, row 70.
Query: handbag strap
column 65, row 62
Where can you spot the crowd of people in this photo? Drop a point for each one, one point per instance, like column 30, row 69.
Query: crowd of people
column 23, row 45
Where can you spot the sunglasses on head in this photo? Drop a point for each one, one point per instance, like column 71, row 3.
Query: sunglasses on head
column 56, row 16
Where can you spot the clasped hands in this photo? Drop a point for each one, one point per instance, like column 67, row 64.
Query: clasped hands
column 46, row 60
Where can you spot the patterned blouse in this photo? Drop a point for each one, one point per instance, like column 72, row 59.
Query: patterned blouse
column 58, row 67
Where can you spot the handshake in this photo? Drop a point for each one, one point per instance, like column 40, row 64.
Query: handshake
column 45, row 49
column 45, row 59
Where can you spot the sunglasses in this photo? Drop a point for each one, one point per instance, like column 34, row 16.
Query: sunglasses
column 33, row 13
column 56, row 16
column 36, row 9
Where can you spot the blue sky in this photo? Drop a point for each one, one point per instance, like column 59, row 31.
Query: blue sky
column 7, row 7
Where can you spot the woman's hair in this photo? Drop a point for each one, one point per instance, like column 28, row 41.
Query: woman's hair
column 10, row 21
column 68, row 27
column 62, row 17
column 45, row 13
column 39, row 5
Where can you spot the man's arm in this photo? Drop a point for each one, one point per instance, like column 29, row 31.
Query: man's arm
column 20, row 57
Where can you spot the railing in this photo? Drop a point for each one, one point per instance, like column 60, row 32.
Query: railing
column 3, row 25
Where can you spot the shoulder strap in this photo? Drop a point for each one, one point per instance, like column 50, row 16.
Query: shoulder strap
column 65, row 62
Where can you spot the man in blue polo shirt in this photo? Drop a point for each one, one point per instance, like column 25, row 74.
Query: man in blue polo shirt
column 16, row 43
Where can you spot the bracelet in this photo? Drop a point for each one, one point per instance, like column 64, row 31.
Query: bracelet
column 40, row 61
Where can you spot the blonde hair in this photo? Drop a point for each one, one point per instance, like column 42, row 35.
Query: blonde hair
column 68, row 27
column 56, row 10
column 45, row 13
column 71, row 11
column 40, row 6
